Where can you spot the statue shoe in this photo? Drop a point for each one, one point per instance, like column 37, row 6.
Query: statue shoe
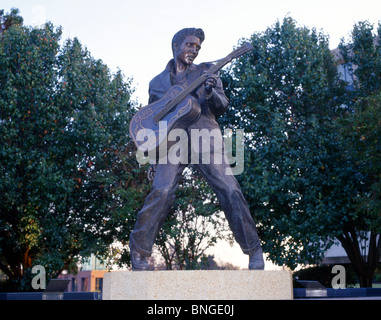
column 256, row 261
column 138, row 262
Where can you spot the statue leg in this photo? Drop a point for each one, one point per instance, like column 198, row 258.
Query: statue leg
column 156, row 207
column 236, row 210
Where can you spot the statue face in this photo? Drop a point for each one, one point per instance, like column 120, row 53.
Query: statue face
column 187, row 52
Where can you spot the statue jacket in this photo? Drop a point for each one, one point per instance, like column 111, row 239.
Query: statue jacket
column 215, row 105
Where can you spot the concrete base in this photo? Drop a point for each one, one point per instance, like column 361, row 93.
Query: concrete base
column 198, row 285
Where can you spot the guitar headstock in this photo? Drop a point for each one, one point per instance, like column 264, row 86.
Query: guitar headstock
column 245, row 48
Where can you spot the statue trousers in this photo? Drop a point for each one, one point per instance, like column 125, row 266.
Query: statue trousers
column 158, row 203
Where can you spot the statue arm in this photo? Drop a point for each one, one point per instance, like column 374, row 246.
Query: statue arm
column 217, row 101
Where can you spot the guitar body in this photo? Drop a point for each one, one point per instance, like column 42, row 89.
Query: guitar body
column 144, row 129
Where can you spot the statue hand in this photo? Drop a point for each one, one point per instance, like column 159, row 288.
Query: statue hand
column 210, row 83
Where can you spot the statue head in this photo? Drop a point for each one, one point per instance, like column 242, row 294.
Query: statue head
column 186, row 43
column 180, row 36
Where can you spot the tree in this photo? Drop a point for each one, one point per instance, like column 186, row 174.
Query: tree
column 283, row 94
column 7, row 20
column 361, row 236
column 362, row 56
column 301, row 181
column 69, row 181
column 359, row 130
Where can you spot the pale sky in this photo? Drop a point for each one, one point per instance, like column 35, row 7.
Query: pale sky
column 135, row 35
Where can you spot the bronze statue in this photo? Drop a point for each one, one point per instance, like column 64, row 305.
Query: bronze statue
column 212, row 101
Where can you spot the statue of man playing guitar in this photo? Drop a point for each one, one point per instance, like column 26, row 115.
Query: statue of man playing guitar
column 181, row 70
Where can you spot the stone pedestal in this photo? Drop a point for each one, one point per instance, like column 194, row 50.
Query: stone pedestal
column 198, row 285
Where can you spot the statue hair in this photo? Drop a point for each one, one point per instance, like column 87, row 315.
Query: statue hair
column 180, row 36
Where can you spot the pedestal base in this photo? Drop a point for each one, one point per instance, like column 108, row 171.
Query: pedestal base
column 198, row 285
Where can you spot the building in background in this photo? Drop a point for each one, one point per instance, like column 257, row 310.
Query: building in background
column 89, row 278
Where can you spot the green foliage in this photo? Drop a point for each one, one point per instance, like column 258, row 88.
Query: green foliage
column 362, row 56
column 312, row 145
column 283, row 94
column 360, row 132
column 69, row 181
column 7, row 20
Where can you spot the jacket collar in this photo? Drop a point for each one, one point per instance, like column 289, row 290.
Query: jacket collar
column 171, row 66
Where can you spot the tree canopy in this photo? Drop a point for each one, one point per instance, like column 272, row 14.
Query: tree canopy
column 69, row 180
column 301, row 180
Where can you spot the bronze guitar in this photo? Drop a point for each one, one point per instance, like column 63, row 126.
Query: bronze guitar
column 178, row 109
